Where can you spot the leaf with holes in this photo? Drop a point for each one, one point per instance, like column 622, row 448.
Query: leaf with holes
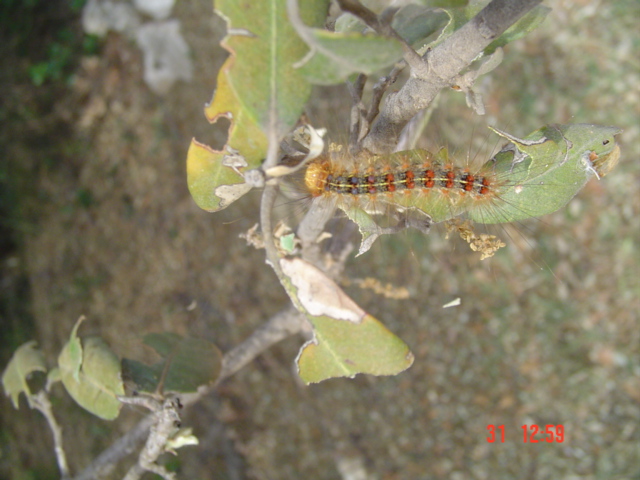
column 548, row 168
column 257, row 87
column 26, row 360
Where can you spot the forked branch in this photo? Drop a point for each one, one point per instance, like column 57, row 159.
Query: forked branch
column 280, row 326
column 440, row 68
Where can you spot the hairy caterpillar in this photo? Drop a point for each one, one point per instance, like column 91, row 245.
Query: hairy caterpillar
column 527, row 178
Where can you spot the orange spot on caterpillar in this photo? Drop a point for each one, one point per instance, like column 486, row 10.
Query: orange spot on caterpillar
column 468, row 180
column 486, row 186
column 409, row 176
column 450, row 177
column 390, row 186
column 429, row 177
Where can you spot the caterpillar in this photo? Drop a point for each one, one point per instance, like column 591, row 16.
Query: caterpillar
column 528, row 178
column 413, row 178
column 533, row 177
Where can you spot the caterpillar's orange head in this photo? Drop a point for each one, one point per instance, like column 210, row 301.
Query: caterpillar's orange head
column 315, row 178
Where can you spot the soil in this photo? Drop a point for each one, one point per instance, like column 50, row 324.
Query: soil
column 100, row 223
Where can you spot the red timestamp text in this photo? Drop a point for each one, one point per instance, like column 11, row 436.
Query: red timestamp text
column 531, row 433
column 552, row 433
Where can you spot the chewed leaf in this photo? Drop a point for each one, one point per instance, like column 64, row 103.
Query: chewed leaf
column 257, row 87
column 347, row 340
column 187, row 364
column 371, row 230
column 90, row 372
column 25, row 360
column 554, row 165
column 368, row 227
column 212, row 184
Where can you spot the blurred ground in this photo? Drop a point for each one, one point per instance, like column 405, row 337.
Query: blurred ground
column 547, row 333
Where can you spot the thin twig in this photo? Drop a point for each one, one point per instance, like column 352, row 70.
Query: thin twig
column 311, row 227
column 380, row 88
column 41, row 402
column 266, row 210
column 282, row 325
column 358, row 111
column 413, row 130
column 104, row 464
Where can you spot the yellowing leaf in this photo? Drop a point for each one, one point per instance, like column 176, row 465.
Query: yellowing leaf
column 257, row 87
column 25, row 360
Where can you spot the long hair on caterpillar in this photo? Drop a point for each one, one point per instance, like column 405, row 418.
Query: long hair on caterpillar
column 528, row 178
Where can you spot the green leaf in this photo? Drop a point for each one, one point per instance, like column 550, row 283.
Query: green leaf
column 367, row 226
column 90, row 372
column 25, row 360
column 163, row 343
column 343, row 349
column 522, row 27
column 287, row 242
column 339, row 55
column 557, row 161
column 347, row 340
column 447, row 4
column 257, row 84
column 416, row 23
column 187, row 364
column 412, row 22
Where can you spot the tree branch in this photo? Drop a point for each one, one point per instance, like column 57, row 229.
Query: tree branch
column 166, row 422
column 440, row 68
column 280, row 326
